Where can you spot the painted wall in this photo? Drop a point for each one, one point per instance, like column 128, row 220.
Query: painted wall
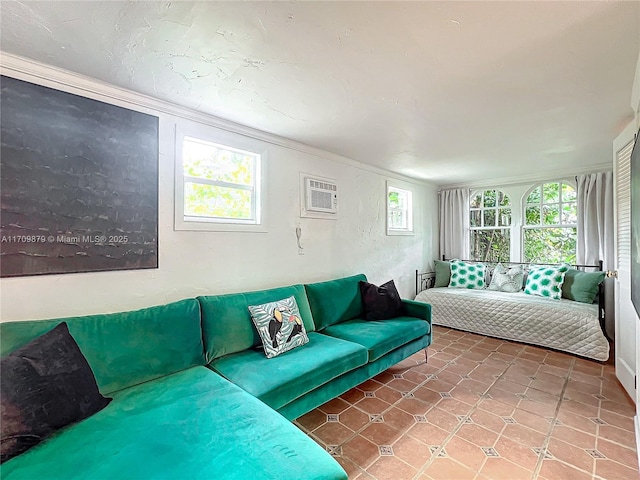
column 195, row 263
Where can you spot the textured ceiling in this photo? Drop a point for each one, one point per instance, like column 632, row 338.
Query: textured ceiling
column 451, row 92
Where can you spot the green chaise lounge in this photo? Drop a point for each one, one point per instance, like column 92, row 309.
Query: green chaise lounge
column 171, row 417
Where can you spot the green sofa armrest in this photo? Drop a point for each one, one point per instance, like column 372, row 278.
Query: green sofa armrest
column 417, row 309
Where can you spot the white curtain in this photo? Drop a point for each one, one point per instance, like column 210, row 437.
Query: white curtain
column 454, row 223
column 595, row 219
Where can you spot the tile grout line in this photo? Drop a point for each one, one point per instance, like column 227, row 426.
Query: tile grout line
column 595, row 461
column 461, row 422
column 547, row 438
column 393, row 405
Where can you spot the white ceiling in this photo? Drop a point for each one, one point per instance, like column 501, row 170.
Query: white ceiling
column 451, row 92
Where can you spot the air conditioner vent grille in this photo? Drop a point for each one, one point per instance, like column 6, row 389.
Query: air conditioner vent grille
column 321, row 196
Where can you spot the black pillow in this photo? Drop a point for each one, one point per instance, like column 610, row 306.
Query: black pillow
column 46, row 385
column 381, row 302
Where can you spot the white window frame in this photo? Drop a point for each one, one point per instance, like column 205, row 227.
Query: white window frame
column 495, row 208
column 402, row 187
column 233, row 142
column 542, row 225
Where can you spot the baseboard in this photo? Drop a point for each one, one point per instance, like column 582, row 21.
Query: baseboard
column 636, row 421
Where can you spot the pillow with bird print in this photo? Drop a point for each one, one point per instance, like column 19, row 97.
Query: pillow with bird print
column 279, row 326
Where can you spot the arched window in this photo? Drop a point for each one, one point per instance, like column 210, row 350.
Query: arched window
column 490, row 222
column 550, row 222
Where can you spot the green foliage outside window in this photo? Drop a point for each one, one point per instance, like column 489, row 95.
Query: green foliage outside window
column 398, row 209
column 490, row 245
column 549, row 233
column 551, row 214
column 219, row 181
column 550, row 245
column 490, row 210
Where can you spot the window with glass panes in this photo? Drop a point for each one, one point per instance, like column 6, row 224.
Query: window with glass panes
column 399, row 210
column 490, row 222
column 221, row 183
column 550, row 222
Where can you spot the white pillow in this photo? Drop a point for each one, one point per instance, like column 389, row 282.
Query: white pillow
column 507, row 279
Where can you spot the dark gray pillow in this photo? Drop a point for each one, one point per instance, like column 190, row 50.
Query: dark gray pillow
column 380, row 303
column 46, row 385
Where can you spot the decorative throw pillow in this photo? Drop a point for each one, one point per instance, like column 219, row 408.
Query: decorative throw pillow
column 46, row 385
column 508, row 280
column 279, row 326
column 546, row 281
column 466, row 275
column 443, row 273
column 380, row 303
column 581, row 286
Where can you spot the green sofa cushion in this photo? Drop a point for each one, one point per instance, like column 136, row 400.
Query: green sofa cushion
column 280, row 380
column 226, row 321
column 345, row 382
column 336, row 300
column 193, row 424
column 581, row 286
column 126, row 348
column 380, row 336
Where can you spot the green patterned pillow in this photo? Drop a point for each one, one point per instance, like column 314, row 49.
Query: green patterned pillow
column 466, row 275
column 546, row 281
column 508, row 280
column 279, row 326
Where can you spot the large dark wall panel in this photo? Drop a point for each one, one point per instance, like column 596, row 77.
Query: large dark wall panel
column 78, row 183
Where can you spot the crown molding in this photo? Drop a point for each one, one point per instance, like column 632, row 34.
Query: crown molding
column 29, row 70
column 545, row 176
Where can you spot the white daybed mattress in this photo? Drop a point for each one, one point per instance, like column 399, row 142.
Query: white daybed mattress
column 565, row 325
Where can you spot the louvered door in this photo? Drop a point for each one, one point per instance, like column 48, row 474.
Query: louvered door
column 626, row 323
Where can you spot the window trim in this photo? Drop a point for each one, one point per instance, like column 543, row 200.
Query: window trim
column 232, row 141
column 402, row 186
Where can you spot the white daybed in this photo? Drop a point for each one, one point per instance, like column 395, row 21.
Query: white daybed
column 564, row 325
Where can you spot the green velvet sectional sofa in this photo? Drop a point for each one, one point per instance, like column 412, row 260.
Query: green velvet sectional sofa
column 195, row 397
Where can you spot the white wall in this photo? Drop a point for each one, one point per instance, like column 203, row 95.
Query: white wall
column 194, row 263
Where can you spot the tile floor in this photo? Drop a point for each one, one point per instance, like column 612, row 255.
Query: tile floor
column 482, row 408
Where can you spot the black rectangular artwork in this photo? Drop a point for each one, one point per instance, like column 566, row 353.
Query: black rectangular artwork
column 78, row 183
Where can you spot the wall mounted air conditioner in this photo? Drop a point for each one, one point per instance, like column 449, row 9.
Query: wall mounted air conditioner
column 320, row 195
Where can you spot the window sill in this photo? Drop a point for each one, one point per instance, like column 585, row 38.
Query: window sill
column 181, row 225
column 400, row 233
